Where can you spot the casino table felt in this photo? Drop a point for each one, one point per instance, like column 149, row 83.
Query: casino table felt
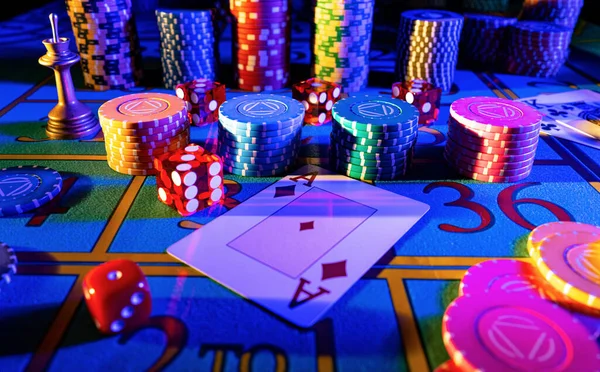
column 390, row 320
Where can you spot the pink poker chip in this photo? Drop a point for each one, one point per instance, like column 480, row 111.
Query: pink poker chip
column 496, row 115
column 543, row 231
column 496, row 331
column 515, row 277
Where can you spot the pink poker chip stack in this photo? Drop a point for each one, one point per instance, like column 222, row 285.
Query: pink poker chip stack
column 492, row 139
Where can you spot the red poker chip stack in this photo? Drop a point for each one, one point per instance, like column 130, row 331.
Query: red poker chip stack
column 203, row 97
column 261, row 43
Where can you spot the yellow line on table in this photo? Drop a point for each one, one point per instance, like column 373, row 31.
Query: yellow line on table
column 116, row 219
column 44, row 353
column 51, row 157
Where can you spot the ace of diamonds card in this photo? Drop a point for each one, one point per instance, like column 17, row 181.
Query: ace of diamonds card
column 297, row 246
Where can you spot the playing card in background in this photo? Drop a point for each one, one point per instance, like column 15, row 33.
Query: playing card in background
column 297, row 246
column 573, row 115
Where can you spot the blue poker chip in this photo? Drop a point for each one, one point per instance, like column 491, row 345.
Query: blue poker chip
column 261, row 112
column 259, row 167
column 256, row 160
column 287, row 138
column 375, row 113
column 259, row 133
column 26, row 188
column 252, row 173
column 432, row 15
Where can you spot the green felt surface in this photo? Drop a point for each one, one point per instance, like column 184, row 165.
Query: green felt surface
column 389, row 321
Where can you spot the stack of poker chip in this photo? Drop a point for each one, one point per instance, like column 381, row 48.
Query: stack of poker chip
column 492, row 139
column 486, row 6
column 139, row 127
column 537, row 48
column 562, row 12
column 107, row 41
column 557, row 290
column 373, row 137
column 342, row 42
column 259, row 134
column 261, row 44
column 25, row 188
column 483, row 38
column 428, row 46
column 187, row 45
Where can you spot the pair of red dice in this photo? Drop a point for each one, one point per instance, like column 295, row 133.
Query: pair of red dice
column 203, row 98
column 118, row 296
column 318, row 97
column 421, row 94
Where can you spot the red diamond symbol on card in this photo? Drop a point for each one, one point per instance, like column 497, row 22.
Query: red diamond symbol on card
column 307, row 225
column 285, row 191
column 333, row 270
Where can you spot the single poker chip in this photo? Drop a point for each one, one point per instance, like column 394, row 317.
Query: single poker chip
column 261, row 112
column 375, row 114
column 8, row 263
column 338, row 128
column 567, row 261
column 461, row 129
column 497, row 115
column 543, row 231
column 258, row 134
column 142, row 110
column 25, row 188
column 398, row 141
column 515, row 277
column 482, row 332
column 140, row 132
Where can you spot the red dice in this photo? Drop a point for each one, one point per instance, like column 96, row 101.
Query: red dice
column 189, row 179
column 421, row 94
column 203, row 98
column 117, row 295
column 318, row 97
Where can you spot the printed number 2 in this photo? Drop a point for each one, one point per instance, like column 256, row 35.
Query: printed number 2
column 506, row 201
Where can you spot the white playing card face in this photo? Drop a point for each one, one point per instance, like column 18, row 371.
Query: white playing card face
column 573, row 115
column 297, row 246
column 304, row 230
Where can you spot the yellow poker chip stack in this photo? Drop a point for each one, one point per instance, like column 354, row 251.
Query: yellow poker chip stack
column 139, row 127
column 342, row 42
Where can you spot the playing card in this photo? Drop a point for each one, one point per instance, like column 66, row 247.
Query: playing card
column 297, row 246
column 573, row 115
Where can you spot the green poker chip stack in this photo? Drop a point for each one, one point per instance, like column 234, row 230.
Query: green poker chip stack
column 373, row 137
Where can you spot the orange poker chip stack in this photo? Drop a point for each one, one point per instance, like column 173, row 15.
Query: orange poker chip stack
column 139, row 127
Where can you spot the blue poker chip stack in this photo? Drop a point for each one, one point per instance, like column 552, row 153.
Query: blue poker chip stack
column 428, row 42
column 561, row 12
column 537, row 48
column 483, row 38
column 259, row 134
column 187, row 45
column 373, row 137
